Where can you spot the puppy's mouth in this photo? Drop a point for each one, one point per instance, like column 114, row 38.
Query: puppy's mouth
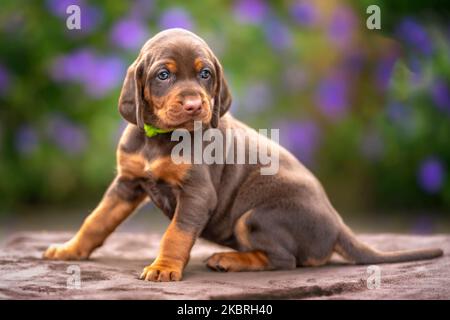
column 175, row 118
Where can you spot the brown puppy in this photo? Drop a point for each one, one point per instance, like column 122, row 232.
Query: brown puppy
column 276, row 221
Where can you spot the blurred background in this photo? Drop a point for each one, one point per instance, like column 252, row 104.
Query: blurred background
column 368, row 111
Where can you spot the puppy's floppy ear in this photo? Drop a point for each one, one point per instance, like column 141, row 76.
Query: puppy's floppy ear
column 131, row 102
column 222, row 97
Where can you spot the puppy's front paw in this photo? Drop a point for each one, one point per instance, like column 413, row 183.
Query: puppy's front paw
column 64, row 251
column 163, row 273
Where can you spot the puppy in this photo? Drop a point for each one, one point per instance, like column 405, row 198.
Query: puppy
column 278, row 221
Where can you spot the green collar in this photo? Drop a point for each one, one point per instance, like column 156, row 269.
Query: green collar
column 151, row 131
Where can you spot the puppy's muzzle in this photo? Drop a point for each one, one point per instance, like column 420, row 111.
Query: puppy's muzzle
column 192, row 105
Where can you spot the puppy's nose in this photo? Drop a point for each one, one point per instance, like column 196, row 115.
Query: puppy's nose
column 192, row 104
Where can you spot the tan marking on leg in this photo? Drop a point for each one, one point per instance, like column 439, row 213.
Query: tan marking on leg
column 241, row 231
column 173, row 256
column 96, row 228
column 131, row 165
column 239, row 261
column 166, row 170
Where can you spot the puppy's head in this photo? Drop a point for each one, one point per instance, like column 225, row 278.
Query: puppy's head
column 175, row 81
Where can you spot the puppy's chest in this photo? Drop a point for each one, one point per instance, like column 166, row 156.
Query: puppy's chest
column 161, row 177
column 161, row 168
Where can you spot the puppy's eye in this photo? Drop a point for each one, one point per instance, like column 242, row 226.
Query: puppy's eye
column 205, row 74
column 163, row 75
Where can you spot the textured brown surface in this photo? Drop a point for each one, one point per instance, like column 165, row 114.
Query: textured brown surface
column 112, row 273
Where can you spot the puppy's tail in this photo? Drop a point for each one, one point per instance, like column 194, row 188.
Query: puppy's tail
column 350, row 248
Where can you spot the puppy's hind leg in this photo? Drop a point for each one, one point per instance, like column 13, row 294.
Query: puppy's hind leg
column 239, row 261
column 259, row 249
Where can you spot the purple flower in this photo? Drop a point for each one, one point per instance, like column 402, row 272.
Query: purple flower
column 250, row 11
column 68, row 136
column 342, row 27
column 90, row 18
column 74, row 66
column 26, row 139
column 414, row 35
column 431, row 174
column 108, row 74
column 4, row 80
column 372, row 146
column 258, row 96
column 440, row 94
column 97, row 74
column 278, row 34
column 302, row 138
column 384, row 70
column 129, row 34
column 176, row 18
column 332, row 96
column 304, row 13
